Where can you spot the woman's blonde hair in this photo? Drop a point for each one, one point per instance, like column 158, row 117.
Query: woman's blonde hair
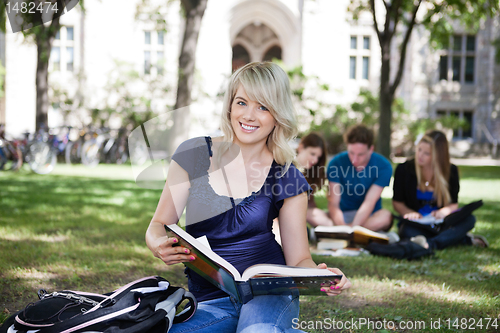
column 268, row 84
column 441, row 167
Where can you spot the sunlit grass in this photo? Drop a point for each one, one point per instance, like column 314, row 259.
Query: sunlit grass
column 80, row 228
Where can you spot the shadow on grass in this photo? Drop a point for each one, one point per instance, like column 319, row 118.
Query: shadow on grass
column 74, row 233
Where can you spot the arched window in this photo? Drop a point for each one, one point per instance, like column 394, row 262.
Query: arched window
column 240, row 57
column 273, row 52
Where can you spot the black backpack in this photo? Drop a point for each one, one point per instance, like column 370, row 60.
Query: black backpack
column 146, row 305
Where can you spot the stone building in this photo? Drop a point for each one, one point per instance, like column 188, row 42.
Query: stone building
column 463, row 79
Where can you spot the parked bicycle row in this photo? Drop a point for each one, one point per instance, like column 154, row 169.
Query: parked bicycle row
column 45, row 148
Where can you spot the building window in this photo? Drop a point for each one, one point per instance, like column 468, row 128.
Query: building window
column 69, row 59
column 352, row 67
column 159, row 62
column 62, row 55
column 360, row 57
column 69, row 33
column 55, row 57
column 466, row 117
column 366, row 43
column 160, row 38
column 354, row 42
column 154, row 52
column 366, row 67
column 147, row 62
column 458, row 59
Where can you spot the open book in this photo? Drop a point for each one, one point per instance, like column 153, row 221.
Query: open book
column 357, row 234
column 263, row 279
column 428, row 219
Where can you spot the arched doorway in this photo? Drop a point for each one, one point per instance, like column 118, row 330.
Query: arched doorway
column 240, row 57
column 255, row 42
column 260, row 25
column 273, row 53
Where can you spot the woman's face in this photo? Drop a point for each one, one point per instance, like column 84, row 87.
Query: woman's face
column 252, row 122
column 308, row 157
column 424, row 154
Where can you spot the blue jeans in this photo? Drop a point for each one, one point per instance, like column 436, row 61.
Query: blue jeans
column 270, row 313
column 456, row 235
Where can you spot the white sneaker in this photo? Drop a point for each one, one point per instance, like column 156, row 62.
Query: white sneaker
column 393, row 237
column 420, row 240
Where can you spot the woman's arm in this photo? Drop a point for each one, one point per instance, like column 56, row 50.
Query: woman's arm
column 404, row 211
column 334, row 190
column 170, row 207
column 445, row 211
column 292, row 220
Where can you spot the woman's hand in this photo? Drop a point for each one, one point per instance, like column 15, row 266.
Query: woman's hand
column 439, row 214
column 413, row 216
column 164, row 248
column 335, row 289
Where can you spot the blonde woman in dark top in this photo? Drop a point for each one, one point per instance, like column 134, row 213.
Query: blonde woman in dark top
column 233, row 187
column 429, row 185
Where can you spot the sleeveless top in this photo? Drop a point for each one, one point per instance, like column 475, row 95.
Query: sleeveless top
column 239, row 230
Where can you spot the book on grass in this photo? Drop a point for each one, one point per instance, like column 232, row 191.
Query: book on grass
column 357, row 234
column 262, row 279
column 331, row 244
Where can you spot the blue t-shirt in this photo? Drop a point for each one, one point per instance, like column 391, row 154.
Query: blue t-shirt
column 239, row 230
column 356, row 184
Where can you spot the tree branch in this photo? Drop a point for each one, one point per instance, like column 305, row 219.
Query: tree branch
column 404, row 45
column 396, row 18
column 375, row 23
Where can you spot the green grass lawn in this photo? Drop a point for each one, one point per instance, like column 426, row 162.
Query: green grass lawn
column 80, row 228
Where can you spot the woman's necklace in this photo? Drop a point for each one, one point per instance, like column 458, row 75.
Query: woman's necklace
column 427, row 182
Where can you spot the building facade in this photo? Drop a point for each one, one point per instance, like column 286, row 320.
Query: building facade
column 462, row 79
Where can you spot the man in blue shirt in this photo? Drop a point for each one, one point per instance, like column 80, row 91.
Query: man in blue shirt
column 357, row 178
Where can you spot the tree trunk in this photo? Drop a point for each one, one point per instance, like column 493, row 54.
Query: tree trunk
column 384, row 132
column 386, row 99
column 44, row 36
column 194, row 11
column 42, row 85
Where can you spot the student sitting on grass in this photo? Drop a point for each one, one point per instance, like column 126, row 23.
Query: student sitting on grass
column 429, row 185
column 311, row 156
column 357, row 178
column 253, row 157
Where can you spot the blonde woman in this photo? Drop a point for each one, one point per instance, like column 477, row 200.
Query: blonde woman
column 429, row 185
column 233, row 187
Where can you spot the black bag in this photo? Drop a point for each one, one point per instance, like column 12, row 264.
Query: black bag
column 146, row 305
column 448, row 222
column 401, row 250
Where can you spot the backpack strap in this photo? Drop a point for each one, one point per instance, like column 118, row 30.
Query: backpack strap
column 189, row 310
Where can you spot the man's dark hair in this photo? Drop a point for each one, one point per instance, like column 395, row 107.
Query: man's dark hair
column 359, row 134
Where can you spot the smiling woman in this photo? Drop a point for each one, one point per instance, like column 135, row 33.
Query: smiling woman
column 232, row 188
column 250, row 117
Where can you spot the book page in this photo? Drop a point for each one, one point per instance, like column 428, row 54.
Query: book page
column 334, row 229
column 207, row 252
column 369, row 232
column 282, row 270
column 204, row 240
column 428, row 219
